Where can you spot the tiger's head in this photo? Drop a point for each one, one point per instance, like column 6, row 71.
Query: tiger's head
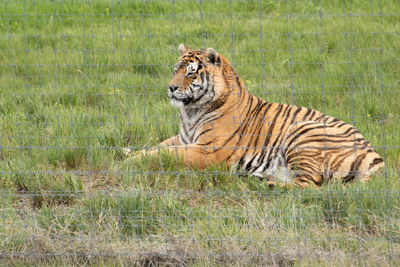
column 192, row 84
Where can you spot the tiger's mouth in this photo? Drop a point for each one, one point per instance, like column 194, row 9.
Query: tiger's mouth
column 184, row 100
column 180, row 98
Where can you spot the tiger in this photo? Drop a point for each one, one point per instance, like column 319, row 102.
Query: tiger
column 222, row 122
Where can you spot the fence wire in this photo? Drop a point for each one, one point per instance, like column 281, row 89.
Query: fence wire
column 82, row 81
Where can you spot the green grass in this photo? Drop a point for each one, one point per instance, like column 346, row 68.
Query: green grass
column 80, row 79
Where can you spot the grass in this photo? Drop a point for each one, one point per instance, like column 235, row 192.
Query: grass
column 81, row 79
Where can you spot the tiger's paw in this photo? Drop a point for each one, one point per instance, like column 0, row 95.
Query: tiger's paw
column 130, row 154
column 126, row 151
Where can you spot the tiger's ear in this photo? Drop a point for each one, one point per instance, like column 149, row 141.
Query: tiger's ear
column 212, row 56
column 182, row 49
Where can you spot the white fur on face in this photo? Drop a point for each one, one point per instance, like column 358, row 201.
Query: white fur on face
column 191, row 69
column 176, row 103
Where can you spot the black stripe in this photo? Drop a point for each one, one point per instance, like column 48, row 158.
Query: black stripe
column 312, row 115
column 183, row 124
column 269, row 134
column 304, row 178
column 303, row 152
column 295, row 114
column 307, row 113
column 241, row 160
column 262, row 122
column 331, row 124
column 282, row 126
column 248, row 124
column 205, row 144
column 351, row 128
column 307, row 166
column 248, row 165
column 184, row 137
column 334, row 136
column 248, row 103
column 303, row 170
column 259, row 127
column 332, row 148
column 217, row 104
column 287, row 108
column 206, row 89
column 328, row 141
column 339, row 158
column 317, row 119
column 200, row 134
column 295, row 136
column 245, row 125
column 238, row 82
column 235, row 132
column 374, row 162
column 273, row 123
column 202, row 76
column 276, row 145
column 354, row 169
column 210, row 119
column 309, row 129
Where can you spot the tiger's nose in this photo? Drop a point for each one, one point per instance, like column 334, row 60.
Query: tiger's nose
column 172, row 88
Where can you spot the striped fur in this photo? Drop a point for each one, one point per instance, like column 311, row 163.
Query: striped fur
column 223, row 122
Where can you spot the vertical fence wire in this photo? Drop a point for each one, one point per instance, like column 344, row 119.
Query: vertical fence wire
column 82, row 82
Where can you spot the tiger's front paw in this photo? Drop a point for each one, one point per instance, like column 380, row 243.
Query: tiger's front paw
column 131, row 154
column 126, row 151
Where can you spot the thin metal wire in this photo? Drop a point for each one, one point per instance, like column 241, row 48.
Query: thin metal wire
column 32, row 128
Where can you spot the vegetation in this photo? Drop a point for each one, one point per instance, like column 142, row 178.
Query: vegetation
column 81, row 79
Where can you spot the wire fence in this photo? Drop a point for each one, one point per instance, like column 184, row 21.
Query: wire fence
column 83, row 81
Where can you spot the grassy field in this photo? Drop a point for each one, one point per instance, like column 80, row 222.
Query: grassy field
column 81, row 79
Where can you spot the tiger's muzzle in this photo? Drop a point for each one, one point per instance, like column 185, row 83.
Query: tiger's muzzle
column 178, row 97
